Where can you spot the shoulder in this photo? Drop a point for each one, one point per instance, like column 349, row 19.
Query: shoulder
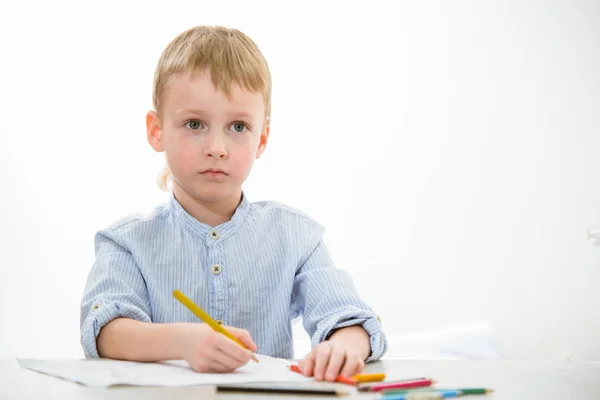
column 280, row 209
column 286, row 219
column 130, row 226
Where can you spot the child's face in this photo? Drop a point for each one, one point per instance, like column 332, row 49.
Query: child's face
column 210, row 142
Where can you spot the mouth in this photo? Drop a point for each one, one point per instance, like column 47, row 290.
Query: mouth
column 213, row 172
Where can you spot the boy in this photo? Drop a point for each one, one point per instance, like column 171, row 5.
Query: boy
column 253, row 266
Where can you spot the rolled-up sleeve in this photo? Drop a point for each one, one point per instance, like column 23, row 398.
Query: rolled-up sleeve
column 115, row 288
column 328, row 299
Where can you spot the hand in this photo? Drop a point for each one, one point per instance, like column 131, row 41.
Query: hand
column 330, row 359
column 208, row 351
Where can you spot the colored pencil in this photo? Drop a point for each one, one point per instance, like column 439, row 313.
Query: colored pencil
column 424, row 382
column 200, row 313
column 465, row 391
column 346, row 380
column 366, row 386
column 422, row 395
column 340, row 379
column 362, row 378
column 476, row 390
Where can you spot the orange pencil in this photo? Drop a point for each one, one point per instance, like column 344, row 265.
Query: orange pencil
column 346, row 380
column 341, row 379
column 296, row 368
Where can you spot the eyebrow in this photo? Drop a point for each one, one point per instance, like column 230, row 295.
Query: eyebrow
column 199, row 111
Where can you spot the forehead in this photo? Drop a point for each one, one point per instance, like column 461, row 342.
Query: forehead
column 186, row 91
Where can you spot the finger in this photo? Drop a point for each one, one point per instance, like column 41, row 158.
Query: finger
column 233, row 350
column 229, row 362
column 200, row 365
column 307, row 365
column 216, row 365
column 336, row 361
column 208, row 365
column 323, row 352
column 353, row 365
column 243, row 336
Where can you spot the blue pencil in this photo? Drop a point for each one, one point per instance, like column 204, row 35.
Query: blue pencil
column 422, row 395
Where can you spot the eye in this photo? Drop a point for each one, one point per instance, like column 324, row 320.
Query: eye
column 239, row 127
column 193, row 124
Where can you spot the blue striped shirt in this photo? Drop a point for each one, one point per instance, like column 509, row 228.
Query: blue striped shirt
column 260, row 270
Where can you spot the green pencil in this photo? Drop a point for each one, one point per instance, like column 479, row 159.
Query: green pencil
column 476, row 391
column 464, row 391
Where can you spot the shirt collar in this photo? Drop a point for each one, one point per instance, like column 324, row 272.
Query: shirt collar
column 206, row 231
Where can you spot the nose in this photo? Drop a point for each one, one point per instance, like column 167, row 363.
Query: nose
column 215, row 146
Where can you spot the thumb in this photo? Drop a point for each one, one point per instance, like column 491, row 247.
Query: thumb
column 243, row 336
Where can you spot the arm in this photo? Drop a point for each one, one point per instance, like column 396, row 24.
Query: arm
column 128, row 339
column 116, row 323
column 329, row 301
column 115, row 313
column 115, row 289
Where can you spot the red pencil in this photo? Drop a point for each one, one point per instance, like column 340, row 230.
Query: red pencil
column 399, row 385
column 340, row 378
column 296, row 368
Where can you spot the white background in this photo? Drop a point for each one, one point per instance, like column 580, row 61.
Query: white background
column 450, row 149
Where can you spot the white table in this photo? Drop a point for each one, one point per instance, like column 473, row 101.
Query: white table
column 511, row 380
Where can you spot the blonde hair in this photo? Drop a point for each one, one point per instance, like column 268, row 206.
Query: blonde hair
column 229, row 55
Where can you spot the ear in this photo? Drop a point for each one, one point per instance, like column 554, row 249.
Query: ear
column 264, row 138
column 154, row 131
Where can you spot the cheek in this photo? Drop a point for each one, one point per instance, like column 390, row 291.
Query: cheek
column 243, row 159
column 180, row 154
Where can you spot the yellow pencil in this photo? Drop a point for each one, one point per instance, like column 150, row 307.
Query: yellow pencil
column 361, row 378
column 200, row 313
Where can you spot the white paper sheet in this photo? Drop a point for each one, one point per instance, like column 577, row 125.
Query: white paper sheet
column 103, row 372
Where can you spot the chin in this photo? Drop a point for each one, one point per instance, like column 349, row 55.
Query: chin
column 208, row 191
column 216, row 194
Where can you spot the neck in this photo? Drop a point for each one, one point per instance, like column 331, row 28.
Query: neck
column 212, row 213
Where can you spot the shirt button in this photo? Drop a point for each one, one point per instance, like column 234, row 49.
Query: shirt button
column 216, row 269
column 379, row 319
column 95, row 307
column 214, row 234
